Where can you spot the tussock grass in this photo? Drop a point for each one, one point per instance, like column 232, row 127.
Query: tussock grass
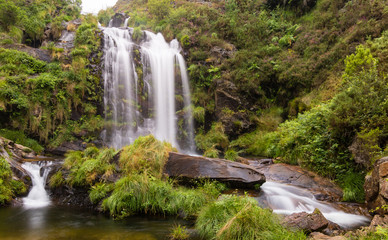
column 146, row 154
column 142, row 194
column 235, row 217
column 20, row 138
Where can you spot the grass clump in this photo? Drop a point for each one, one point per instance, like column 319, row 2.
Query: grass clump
column 236, row 217
column 86, row 168
column 142, row 194
column 146, row 154
column 9, row 187
column 179, row 232
column 20, row 138
column 99, row 191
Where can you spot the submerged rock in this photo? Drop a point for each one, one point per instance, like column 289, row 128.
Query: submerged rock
column 238, row 175
column 308, row 222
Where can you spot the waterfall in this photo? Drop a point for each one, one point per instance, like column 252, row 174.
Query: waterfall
column 286, row 199
column 146, row 90
column 126, row 22
column 37, row 197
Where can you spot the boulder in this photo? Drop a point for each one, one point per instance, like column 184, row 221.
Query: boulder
column 379, row 221
column 65, row 147
column 308, row 222
column 323, row 189
column 185, row 167
column 376, row 187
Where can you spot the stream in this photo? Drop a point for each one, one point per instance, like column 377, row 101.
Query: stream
column 38, row 219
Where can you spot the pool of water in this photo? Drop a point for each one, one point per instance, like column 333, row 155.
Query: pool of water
column 69, row 223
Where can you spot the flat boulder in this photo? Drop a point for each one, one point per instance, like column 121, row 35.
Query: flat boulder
column 186, row 167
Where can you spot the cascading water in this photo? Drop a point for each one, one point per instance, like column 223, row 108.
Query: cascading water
column 146, row 90
column 37, row 197
column 286, row 199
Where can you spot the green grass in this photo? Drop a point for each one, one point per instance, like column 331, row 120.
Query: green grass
column 146, row 154
column 20, row 138
column 136, row 194
column 236, row 217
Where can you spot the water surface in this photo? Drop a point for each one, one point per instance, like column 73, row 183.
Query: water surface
column 69, row 223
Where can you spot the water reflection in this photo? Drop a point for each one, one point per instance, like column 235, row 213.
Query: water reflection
column 66, row 223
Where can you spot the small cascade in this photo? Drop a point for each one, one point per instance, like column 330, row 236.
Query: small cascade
column 38, row 171
column 126, row 22
column 286, row 199
column 146, row 90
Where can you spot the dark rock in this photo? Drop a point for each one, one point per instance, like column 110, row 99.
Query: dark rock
column 117, row 20
column 376, row 187
column 65, row 147
column 323, row 189
column 75, row 196
column 236, row 174
column 312, row 222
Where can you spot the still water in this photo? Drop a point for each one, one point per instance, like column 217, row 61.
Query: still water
column 68, row 223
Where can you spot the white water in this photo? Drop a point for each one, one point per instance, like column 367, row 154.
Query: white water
column 141, row 105
column 286, row 199
column 126, row 22
column 37, row 197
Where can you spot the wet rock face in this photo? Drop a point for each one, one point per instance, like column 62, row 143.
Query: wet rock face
column 227, row 102
column 322, row 188
column 376, row 187
column 235, row 174
column 312, row 222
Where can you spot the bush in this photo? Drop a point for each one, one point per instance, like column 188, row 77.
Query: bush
column 215, row 139
column 234, row 217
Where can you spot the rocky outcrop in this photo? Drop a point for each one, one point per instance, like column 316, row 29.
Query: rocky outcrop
column 227, row 101
column 323, row 189
column 321, row 236
column 65, row 147
column 185, row 167
column 308, row 222
column 14, row 154
column 117, row 20
column 376, row 188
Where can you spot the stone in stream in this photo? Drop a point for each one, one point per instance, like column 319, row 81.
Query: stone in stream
column 376, row 187
column 237, row 175
column 308, row 222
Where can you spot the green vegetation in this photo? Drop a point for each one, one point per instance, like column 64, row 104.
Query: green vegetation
column 234, row 217
column 9, row 187
column 20, row 138
column 179, row 233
